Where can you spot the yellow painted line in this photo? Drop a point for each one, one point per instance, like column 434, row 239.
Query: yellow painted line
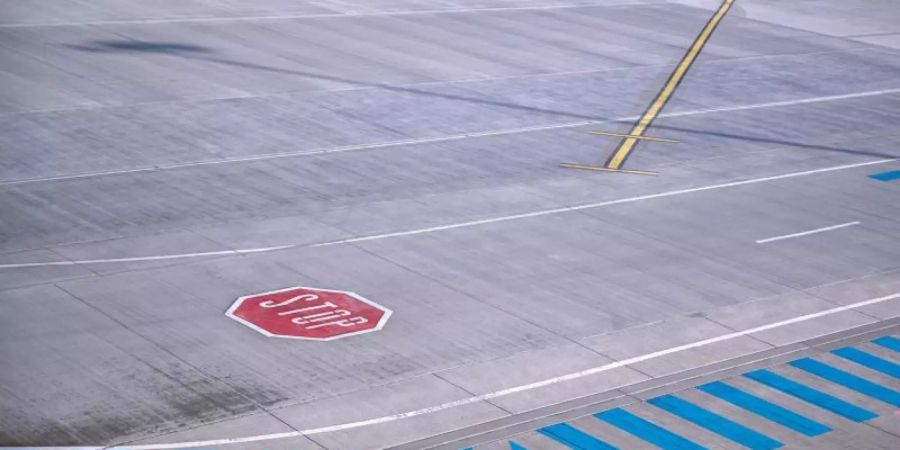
column 646, row 138
column 627, row 145
column 604, row 169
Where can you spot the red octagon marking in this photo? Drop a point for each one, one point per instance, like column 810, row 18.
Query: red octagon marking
column 309, row 313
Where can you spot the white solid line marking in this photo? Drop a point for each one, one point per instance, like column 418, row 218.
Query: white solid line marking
column 472, row 223
column 804, row 233
column 516, row 389
column 313, row 152
column 415, row 141
column 598, row 204
column 150, row 258
column 801, row 101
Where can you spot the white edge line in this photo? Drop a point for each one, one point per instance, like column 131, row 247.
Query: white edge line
column 415, row 141
column 309, row 152
column 512, row 390
column 149, row 258
column 454, row 225
column 805, row 233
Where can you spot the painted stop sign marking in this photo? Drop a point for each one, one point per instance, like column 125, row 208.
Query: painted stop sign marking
column 309, row 313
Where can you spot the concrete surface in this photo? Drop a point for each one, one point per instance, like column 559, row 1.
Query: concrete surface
column 132, row 133
column 832, row 429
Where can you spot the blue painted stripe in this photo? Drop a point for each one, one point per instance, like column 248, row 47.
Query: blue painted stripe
column 848, row 380
column 886, row 176
column 869, row 360
column 888, row 342
column 811, row 395
column 764, row 408
column 647, row 431
column 515, row 446
column 574, row 438
column 715, row 423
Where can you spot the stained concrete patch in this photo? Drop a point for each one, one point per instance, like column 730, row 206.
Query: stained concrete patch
column 89, row 364
column 259, row 423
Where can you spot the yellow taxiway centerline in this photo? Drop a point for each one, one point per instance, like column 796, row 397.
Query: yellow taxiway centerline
column 627, row 145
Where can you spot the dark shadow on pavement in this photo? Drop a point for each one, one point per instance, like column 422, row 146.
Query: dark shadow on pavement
column 169, row 48
column 206, row 54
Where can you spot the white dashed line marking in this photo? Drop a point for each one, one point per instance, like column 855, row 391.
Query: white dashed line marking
column 806, row 233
